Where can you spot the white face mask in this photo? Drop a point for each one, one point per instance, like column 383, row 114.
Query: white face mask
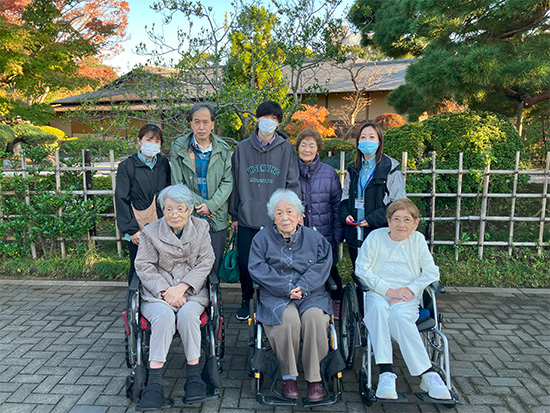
column 149, row 149
column 267, row 126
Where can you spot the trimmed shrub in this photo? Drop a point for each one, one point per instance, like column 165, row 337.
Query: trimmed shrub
column 6, row 136
column 32, row 135
column 54, row 131
column 390, row 120
column 336, row 146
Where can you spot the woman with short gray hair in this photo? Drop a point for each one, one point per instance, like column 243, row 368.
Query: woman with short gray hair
column 173, row 262
column 291, row 263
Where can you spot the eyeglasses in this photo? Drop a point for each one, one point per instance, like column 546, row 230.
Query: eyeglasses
column 175, row 211
column 406, row 221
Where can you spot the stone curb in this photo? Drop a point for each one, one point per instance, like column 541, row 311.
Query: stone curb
column 228, row 286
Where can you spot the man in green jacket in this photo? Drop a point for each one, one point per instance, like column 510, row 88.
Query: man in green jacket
column 202, row 162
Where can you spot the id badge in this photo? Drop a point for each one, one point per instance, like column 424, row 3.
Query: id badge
column 359, row 204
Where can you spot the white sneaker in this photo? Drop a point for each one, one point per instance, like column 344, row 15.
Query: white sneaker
column 433, row 384
column 386, row 386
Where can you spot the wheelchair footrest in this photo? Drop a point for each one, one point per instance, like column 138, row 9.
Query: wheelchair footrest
column 274, row 401
column 427, row 399
column 213, row 394
column 401, row 398
column 327, row 401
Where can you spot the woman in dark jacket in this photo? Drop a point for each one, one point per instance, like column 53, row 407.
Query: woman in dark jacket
column 372, row 182
column 321, row 194
column 139, row 180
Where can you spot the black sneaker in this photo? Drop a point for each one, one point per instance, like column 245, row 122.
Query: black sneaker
column 243, row 313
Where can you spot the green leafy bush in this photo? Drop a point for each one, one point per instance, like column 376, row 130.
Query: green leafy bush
column 6, row 136
column 71, row 149
column 480, row 136
column 32, row 135
column 336, row 146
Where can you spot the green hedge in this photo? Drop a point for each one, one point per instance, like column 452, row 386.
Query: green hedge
column 480, row 136
column 32, row 135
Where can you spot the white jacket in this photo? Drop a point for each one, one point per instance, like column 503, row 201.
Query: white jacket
column 374, row 253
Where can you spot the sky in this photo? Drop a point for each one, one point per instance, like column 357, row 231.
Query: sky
column 141, row 15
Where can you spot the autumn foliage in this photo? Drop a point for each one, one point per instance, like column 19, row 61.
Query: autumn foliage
column 389, row 120
column 101, row 22
column 311, row 117
column 53, row 47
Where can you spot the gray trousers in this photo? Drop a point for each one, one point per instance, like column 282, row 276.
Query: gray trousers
column 218, row 240
column 312, row 327
column 163, row 327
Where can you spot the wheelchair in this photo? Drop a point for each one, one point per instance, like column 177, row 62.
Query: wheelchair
column 353, row 335
column 138, row 334
column 264, row 363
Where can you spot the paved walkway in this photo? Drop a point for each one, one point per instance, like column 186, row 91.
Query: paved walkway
column 62, row 350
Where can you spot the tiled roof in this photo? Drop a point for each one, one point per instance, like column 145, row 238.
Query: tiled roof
column 373, row 76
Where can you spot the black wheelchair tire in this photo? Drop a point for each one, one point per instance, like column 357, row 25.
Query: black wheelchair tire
column 347, row 334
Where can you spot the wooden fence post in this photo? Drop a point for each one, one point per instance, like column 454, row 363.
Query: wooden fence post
column 513, row 206
column 544, row 202
column 113, row 186
column 484, row 201
column 458, row 202
column 27, row 197
column 87, row 186
column 432, row 206
column 58, row 191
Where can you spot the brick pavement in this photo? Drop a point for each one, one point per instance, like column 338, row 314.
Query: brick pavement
column 62, row 350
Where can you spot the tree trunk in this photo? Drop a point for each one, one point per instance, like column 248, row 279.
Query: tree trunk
column 519, row 121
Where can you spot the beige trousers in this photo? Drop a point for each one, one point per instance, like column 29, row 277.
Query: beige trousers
column 285, row 340
column 163, row 327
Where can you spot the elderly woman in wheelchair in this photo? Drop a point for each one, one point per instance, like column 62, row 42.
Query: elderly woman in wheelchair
column 291, row 265
column 174, row 259
column 396, row 265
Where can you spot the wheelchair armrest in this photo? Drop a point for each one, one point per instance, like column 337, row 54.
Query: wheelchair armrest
column 438, row 287
column 134, row 285
column 331, row 285
column 213, row 278
column 362, row 284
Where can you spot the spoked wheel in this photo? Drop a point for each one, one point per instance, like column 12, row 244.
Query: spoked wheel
column 130, row 342
column 347, row 333
column 219, row 325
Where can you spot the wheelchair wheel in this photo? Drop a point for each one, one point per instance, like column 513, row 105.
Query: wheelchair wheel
column 219, row 325
column 347, row 333
column 132, row 312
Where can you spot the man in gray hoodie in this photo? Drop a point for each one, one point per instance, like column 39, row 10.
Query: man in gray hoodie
column 261, row 164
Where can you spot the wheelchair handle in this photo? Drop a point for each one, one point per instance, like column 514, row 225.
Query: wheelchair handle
column 438, row 287
column 134, row 285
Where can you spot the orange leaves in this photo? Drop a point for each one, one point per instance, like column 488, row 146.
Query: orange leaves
column 311, row 117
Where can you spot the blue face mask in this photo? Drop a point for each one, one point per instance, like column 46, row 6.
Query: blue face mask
column 368, row 148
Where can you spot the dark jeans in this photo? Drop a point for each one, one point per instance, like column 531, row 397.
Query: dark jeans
column 335, row 294
column 132, row 250
column 218, row 240
column 244, row 240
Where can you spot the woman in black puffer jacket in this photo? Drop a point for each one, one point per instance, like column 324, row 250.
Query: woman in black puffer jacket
column 321, row 194
column 372, row 182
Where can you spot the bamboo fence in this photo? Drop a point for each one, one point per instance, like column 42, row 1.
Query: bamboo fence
column 541, row 217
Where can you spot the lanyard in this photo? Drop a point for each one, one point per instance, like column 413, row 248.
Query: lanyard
column 362, row 187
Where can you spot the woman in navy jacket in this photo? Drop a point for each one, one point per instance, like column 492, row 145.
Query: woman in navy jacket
column 321, row 194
